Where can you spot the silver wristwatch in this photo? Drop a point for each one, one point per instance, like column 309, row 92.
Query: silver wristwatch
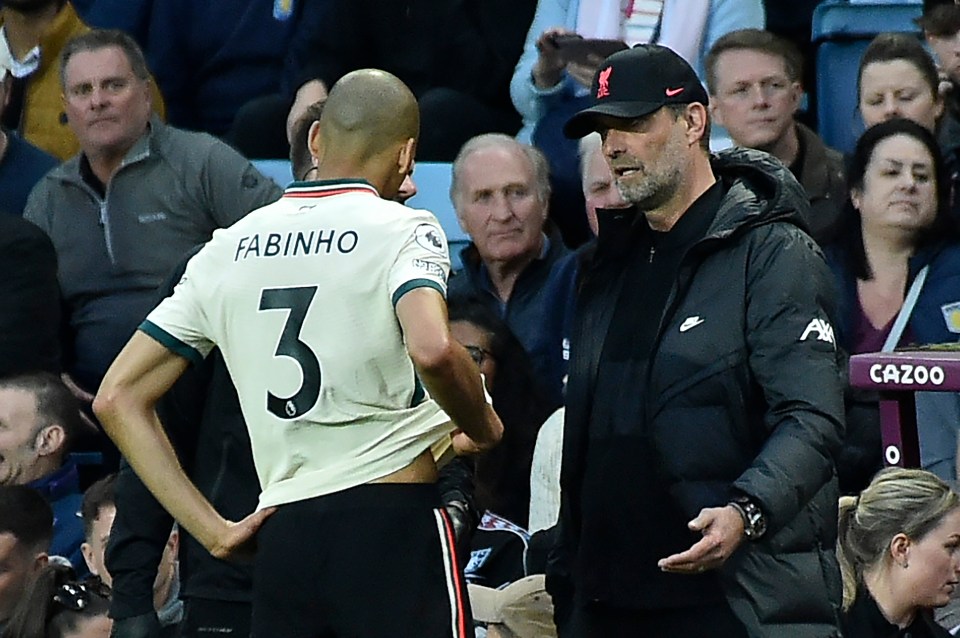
column 754, row 523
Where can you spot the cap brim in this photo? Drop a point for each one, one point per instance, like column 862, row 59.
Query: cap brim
column 486, row 603
column 584, row 122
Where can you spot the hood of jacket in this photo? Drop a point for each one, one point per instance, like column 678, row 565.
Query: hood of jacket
column 759, row 190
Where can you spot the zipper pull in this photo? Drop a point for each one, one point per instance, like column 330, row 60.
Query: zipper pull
column 653, row 250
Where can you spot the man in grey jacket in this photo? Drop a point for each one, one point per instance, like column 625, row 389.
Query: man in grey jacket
column 125, row 210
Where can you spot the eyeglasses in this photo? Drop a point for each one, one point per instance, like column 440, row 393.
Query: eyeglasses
column 478, row 354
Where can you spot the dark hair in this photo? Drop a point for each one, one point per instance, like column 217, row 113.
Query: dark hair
column 754, row 40
column 503, row 474
column 55, row 603
column 56, row 405
column 27, row 515
column 98, row 39
column 888, row 47
column 300, row 160
column 99, row 495
column 849, row 228
column 941, row 21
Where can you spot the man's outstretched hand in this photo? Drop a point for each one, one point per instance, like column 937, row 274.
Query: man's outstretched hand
column 722, row 529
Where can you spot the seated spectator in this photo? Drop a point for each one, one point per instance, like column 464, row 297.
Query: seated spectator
column 99, row 510
column 26, row 527
column 599, row 187
column 941, row 26
column 130, row 16
column 460, row 73
column 125, row 210
column 210, row 58
column 32, row 38
column 898, row 78
column 896, row 246
column 30, row 314
column 40, row 419
column 501, row 192
column 547, row 89
column 57, row 605
column 21, row 163
column 754, row 79
column 502, row 478
column 898, row 549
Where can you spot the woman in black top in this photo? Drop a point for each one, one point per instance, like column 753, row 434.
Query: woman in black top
column 899, row 551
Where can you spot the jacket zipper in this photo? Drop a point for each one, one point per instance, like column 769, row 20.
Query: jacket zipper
column 105, row 225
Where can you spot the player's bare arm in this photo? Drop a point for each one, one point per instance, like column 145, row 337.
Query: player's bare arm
column 446, row 369
column 125, row 404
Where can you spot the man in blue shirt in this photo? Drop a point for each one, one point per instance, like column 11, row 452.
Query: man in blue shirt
column 21, row 164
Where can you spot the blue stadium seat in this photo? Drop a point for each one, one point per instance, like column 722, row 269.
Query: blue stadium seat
column 276, row 169
column 842, row 30
column 433, row 194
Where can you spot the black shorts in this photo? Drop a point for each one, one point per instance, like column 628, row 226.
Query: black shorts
column 206, row 618
column 371, row 561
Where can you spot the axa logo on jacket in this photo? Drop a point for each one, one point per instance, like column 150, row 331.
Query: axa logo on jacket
column 821, row 328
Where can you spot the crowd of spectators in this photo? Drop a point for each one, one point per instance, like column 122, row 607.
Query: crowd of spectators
column 128, row 134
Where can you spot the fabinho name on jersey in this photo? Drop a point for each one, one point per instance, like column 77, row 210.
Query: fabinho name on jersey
column 295, row 244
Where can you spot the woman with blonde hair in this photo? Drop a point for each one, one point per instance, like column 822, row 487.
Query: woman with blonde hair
column 898, row 551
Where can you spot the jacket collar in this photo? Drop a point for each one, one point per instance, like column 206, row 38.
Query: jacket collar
column 815, row 170
column 55, row 37
column 60, row 483
column 142, row 149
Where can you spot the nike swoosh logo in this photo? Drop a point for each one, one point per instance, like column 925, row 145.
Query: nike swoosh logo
column 672, row 92
column 690, row 322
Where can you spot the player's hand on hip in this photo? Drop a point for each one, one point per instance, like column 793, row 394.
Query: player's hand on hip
column 238, row 541
column 722, row 529
column 463, row 445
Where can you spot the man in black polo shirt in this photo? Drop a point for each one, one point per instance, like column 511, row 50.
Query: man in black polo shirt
column 698, row 481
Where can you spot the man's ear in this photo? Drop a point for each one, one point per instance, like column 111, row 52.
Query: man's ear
column 50, row 440
column 407, row 153
column 856, row 197
column 796, row 95
column 314, row 143
column 696, row 117
column 40, row 561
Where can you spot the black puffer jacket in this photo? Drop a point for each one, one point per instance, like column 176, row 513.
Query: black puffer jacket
column 748, row 397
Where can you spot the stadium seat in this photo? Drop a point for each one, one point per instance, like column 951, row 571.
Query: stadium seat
column 433, row 194
column 276, row 169
column 842, row 30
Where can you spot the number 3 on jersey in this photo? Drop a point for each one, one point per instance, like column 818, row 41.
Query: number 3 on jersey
column 297, row 301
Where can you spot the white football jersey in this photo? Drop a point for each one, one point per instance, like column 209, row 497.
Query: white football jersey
column 299, row 296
